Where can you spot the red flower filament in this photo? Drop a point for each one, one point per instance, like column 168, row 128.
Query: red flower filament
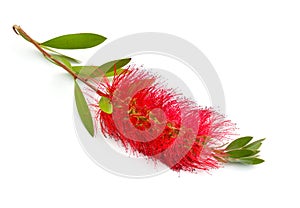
column 161, row 124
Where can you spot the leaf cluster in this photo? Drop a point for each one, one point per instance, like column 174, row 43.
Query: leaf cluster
column 242, row 151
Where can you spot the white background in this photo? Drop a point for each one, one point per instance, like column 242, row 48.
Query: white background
column 253, row 45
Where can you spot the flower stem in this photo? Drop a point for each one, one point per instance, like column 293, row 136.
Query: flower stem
column 19, row 31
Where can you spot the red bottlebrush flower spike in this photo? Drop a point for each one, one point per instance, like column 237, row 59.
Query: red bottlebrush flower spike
column 163, row 125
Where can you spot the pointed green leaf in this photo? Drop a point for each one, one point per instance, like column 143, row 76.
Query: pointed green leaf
column 241, row 153
column 60, row 54
column 63, row 60
column 84, row 71
column 238, row 143
column 87, row 70
column 254, row 145
column 75, row 41
column 68, row 58
column 105, row 105
column 251, row 160
column 60, row 59
column 77, row 69
column 112, row 73
column 98, row 71
column 107, row 67
column 83, row 110
column 110, row 66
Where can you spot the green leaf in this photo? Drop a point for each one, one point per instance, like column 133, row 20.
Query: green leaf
column 87, row 70
column 107, row 67
column 110, row 66
column 75, row 41
column 83, row 110
column 239, row 143
column 251, row 160
column 62, row 55
column 105, row 105
column 254, row 145
column 241, row 153
column 84, row 71
column 63, row 60
column 98, row 71
column 112, row 73
column 60, row 59
column 77, row 69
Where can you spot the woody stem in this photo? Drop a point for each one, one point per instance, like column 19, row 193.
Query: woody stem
column 19, row 31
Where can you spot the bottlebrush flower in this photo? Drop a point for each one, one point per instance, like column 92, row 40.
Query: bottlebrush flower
column 157, row 122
